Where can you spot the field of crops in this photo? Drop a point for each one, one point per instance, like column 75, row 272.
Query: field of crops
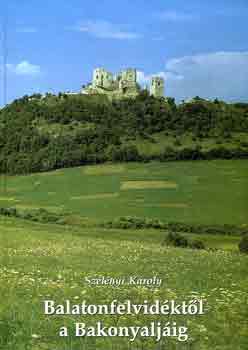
column 205, row 192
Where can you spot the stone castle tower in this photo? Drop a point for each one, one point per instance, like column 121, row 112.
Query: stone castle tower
column 157, row 87
column 102, row 79
column 128, row 81
column 124, row 84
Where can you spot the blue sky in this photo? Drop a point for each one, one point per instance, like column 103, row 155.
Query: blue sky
column 199, row 47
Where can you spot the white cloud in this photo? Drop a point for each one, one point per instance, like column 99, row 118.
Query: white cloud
column 105, row 30
column 220, row 74
column 144, row 79
column 24, row 68
column 175, row 16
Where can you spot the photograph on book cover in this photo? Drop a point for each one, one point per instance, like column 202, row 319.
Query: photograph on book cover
column 123, row 175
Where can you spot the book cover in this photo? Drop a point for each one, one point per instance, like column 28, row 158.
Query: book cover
column 123, row 175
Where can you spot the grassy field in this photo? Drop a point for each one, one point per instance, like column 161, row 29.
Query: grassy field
column 40, row 262
column 49, row 261
column 204, row 192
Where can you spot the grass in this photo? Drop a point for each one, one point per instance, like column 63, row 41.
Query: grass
column 48, row 261
column 40, row 262
column 204, row 192
column 142, row 185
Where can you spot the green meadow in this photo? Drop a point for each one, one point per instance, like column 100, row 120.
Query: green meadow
column 204, row 192
column 50, row 261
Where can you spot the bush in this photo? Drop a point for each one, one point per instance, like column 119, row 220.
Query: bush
column 243, row 244
column 126, row 153
column 243, row 144
column 139, row 222
column 168, row 154
column 177, row 240
column 127, row 222
column 177, row 142
column 197, row 244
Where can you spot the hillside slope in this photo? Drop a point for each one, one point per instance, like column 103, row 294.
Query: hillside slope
column 40, row 134
column 203, row 192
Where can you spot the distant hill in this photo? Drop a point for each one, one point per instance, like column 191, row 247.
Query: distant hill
column 41, row 133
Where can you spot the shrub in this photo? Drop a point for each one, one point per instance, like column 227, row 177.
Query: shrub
column 8, row 212
column 126, row 153
column 197, row 244
column 243, row 144
column 177, row 240
column 168, row 154
column 243, row 244
column 139, row 222
column 177, row 142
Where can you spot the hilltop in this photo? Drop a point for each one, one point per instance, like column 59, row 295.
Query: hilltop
column 41, row 133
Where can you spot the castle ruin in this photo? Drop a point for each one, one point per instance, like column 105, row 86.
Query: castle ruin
column 124, row 84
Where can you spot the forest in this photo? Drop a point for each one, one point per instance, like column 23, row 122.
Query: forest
column 41, row 133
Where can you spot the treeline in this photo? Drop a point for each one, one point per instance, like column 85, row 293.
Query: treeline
column 61, row 154
column 91, row 129
column 139, row 223
column 130, row 153
column 126, row 222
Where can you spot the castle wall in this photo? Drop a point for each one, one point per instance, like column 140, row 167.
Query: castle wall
column 102, row 78
column 123, row 85
column 129, row 75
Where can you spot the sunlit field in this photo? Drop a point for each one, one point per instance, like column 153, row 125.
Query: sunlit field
column 50, row 261
column 41, row 262
column 205, row 192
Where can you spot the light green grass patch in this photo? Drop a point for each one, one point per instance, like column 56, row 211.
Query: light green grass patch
column 8, row 190
column 96, row 196
column 237, row 180
column 9, row 199
column 168, row 205
column 141, row 185
column 107, row 169
column 209, row 194
column 54, row 209
column 50, row 173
